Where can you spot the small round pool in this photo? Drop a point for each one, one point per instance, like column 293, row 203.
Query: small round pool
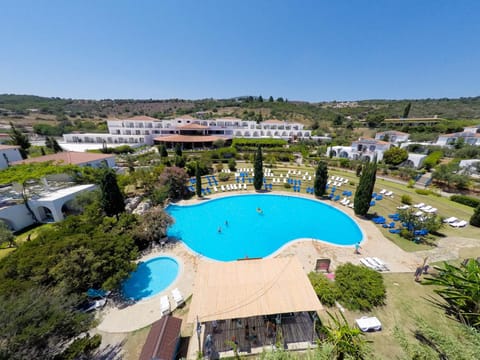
column 150, row 278
column 257, row 225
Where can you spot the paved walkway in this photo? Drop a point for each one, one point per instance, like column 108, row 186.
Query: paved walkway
column 145, row 312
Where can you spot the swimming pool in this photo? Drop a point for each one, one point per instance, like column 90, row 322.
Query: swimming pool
column 150, row 278
column 231, row 228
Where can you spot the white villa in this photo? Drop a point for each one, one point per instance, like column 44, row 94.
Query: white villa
column 144, row 130
column 392, row 136
column 50, row 200
column 366, row 149
column 362, row 149
column 9, row 154
column 470, row 134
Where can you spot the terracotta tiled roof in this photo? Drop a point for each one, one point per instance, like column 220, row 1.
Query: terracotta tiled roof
column 67, row 158
column 8, row 147
column 162, row 339
column 187, row 138
column 142, row 118
column 192, row 127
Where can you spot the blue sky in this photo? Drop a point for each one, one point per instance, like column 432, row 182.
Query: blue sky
column 301, row 50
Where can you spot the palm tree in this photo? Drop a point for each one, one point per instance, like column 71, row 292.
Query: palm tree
column 460, row 290
column 347, row 341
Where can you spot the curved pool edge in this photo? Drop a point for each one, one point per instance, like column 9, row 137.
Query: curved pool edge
column 153, row 256
column 218, row 196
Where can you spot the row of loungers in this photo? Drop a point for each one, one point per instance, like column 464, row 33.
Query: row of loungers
column 374, row 263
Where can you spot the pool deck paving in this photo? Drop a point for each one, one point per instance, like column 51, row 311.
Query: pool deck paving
column 145, row 312
column 115, row 323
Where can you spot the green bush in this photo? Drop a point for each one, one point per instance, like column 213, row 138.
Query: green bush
column 411, row 184
column 466, row 200
column 232, row 164
column 359, row 288
column 223, row 176
column 324, row 288
column 426, row 192
column 432, row 159
column 406, row 199
column 475, row 219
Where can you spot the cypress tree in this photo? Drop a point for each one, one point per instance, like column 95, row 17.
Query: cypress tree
column 198, row 176
column 20, row 139
column 475, row 219
column 178, row 149
column 363, row 195
column 258, row 169
column 321, row 178
column 112, row 199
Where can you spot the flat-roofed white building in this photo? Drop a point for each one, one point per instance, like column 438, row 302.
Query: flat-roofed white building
column 470, row 138
column 392, row 136
column 143, row 130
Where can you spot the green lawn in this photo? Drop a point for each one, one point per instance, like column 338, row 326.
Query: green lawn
column 406, row 302
column 446, row 208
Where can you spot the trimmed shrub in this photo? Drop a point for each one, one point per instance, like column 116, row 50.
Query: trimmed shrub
column 324, row 288
column 466, row 200
column 406, row 199
column 475, row 219
column 432, row 159
column 359, row 288
column 223, row 176
column 426, row 192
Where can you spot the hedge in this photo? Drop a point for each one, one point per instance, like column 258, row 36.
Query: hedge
column 466, row 200
column 262, row 142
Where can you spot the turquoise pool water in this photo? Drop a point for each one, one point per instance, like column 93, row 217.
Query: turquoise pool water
column 150, row 278
column 231, row 228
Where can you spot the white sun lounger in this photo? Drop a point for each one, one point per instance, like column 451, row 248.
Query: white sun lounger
column 244, row 186
column 389, row 193
column 177, row 297
column 368, row 263
column 431, row 210
column 215, row 189
column 403, row 207
column 425, row 208
column 418, row 206
column 164, row 305
column 419, row 213
column 450, row 220
column 380, row 263
column 369, row 323
column 458, row 224
column 383, row 191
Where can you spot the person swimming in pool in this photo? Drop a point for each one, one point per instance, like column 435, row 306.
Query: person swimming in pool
column 259, row 210
column 219, row 230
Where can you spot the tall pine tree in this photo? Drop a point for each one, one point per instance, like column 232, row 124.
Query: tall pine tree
column 321, row 178
column 112, row 201
column 363, row 195
column 198, row 176
column 258, row 169
column 475, row 219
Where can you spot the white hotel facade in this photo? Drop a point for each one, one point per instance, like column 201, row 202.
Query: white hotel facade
column 143, row 130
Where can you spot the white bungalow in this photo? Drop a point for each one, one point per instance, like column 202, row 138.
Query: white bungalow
column 392, row 136
column 470, row 138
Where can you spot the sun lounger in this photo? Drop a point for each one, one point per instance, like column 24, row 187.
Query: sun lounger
column 457, row 224
column 177, row 297
column 425, row 208
column 389, row 193
column 346, row 202
column 370, row 264
column 380, row 263
column 322, row 265
column 450, row 220
column 164, row 305
column 418, row 206
column 244, row 186
column 383, row 191
column 403, row 207
column 369, row 324
column 431, row 210
column 419, row 213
